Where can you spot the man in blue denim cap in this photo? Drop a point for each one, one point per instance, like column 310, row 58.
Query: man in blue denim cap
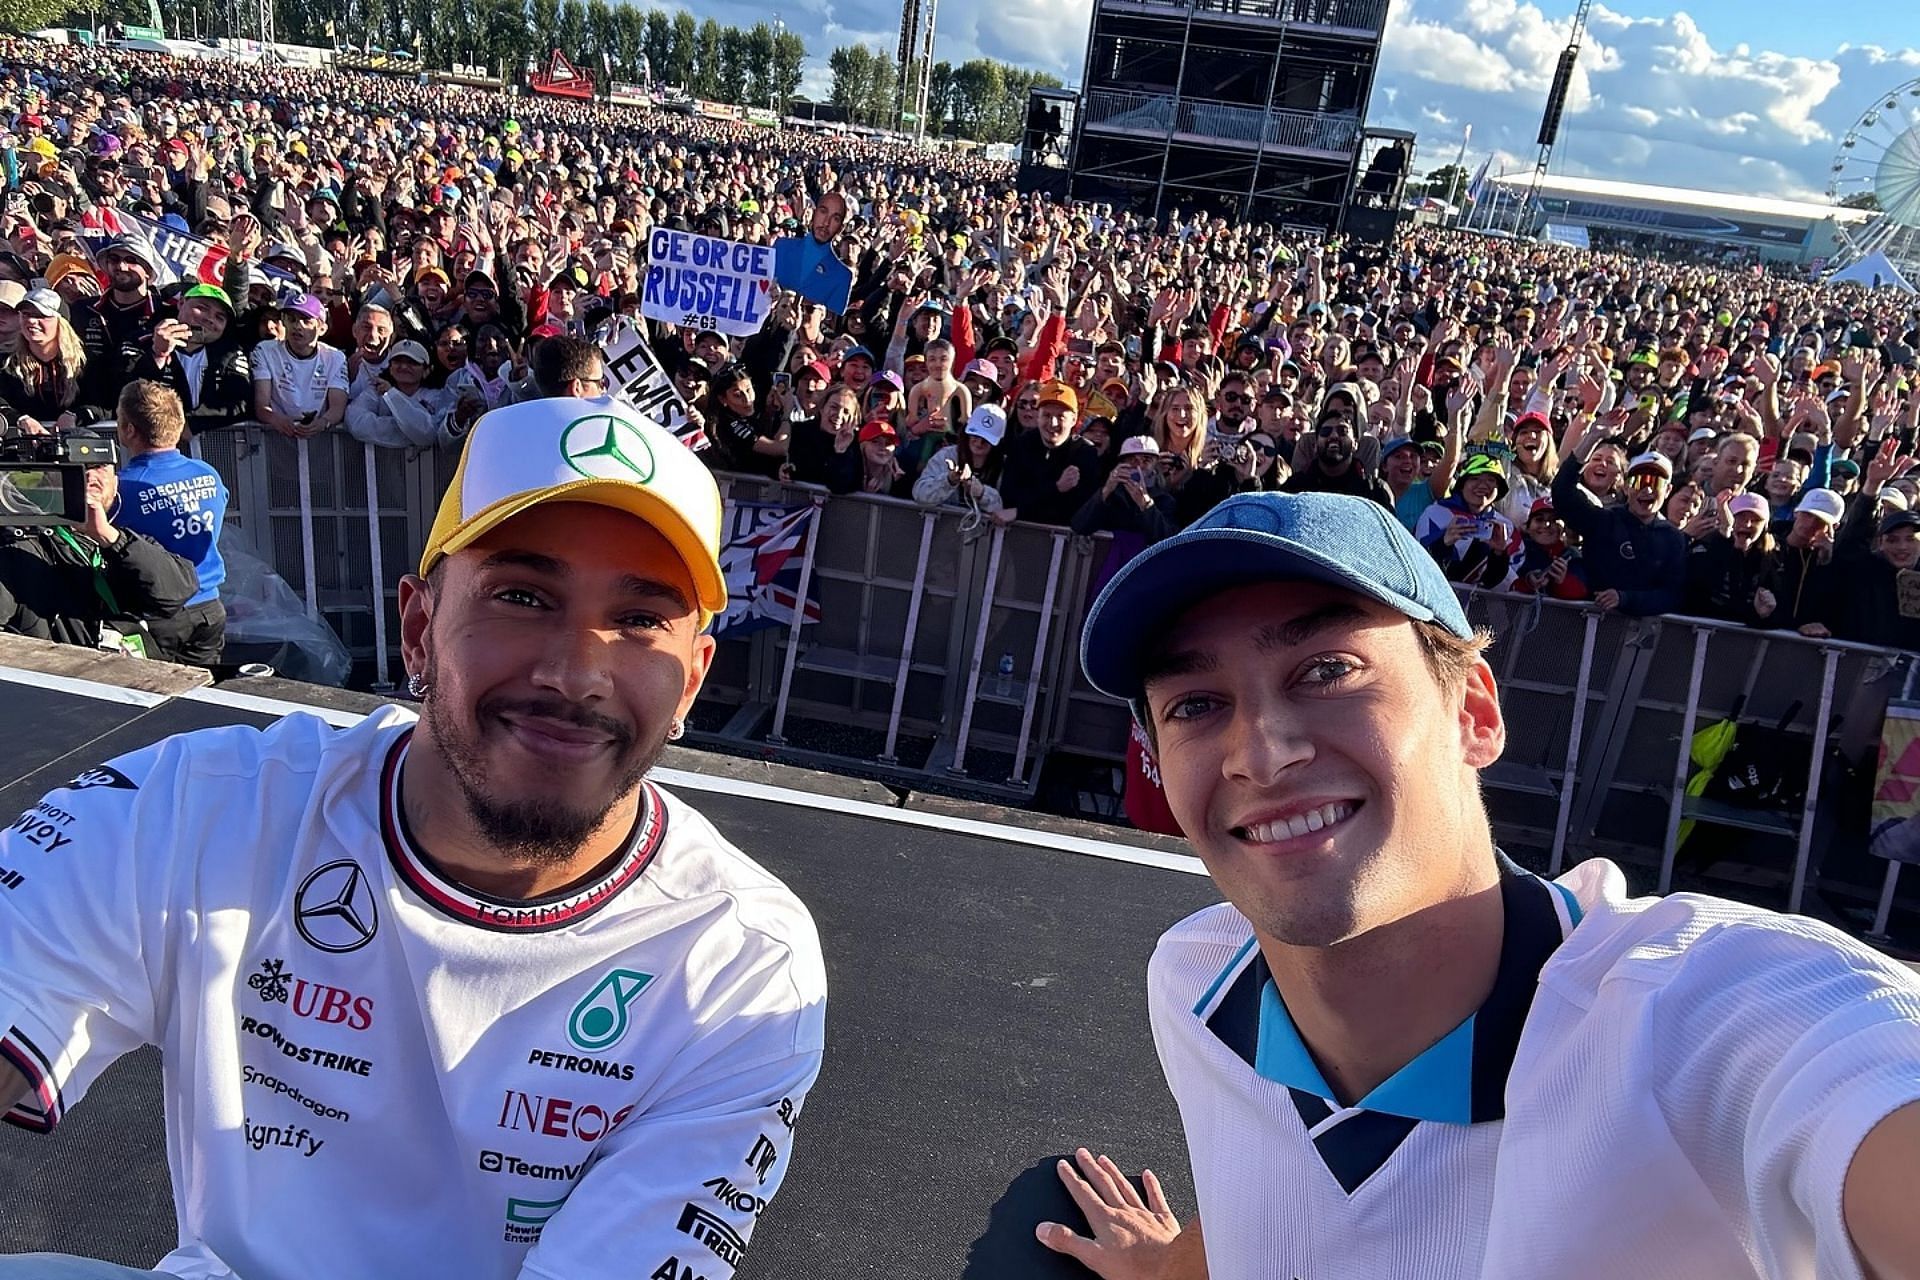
column 1396, row 1053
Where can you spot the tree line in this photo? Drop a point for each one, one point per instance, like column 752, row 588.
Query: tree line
column 980, row 99
column 757, row 66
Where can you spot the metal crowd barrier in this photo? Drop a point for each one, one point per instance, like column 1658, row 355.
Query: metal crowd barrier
column 1603, row 742
column 901, row 676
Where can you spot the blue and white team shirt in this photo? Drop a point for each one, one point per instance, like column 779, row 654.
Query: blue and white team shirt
column 1662, row 1089
column 372, row 1070
column 181, row 503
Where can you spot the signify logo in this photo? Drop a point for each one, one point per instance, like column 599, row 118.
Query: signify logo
column 262, row 1136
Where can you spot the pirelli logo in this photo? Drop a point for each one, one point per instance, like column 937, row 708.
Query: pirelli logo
column 711, row 1230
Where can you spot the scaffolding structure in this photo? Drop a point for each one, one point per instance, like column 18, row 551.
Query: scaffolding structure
column 915, row 56
column 1249, row 109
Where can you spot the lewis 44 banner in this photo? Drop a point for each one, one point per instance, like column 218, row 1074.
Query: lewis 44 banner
column 763, row 547
column 637, row 377
column 183, row 257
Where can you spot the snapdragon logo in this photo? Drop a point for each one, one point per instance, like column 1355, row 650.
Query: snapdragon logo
column 600, row 1020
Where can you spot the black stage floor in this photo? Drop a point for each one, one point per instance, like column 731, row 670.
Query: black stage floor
column 986, row 1013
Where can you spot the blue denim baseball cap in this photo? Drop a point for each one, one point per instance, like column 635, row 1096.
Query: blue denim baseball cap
column 1333, row 538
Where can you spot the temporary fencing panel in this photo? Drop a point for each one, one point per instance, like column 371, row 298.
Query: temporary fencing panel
column 947, row 647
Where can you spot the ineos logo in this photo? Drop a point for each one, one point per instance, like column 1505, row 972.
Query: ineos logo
column 335, row 908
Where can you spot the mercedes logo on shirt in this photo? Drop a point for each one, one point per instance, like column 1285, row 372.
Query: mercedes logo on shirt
column 335, row 909
column 602, row 446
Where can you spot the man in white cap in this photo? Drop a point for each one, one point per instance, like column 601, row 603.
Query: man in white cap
column 1399, row 1055
column 1131, row 501
column 1797, row 587
column 128, row 309
column 1635, row 560
column 464, row 996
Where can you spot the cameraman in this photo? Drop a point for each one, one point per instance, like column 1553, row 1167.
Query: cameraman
column 181, row 504
column 92, row 585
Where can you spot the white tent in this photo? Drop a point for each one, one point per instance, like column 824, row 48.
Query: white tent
column 1875, row 272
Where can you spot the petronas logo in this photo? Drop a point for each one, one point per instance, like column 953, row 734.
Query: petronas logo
column 604, row 447
column 600, row 1020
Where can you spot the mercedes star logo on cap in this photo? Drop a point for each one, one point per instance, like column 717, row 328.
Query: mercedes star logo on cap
column 604, row 447
column 335, row 908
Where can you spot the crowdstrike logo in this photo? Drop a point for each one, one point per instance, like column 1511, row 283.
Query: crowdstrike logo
column 335, row 909
column 600, row 1020
column 327, row 1058
column 604, row 447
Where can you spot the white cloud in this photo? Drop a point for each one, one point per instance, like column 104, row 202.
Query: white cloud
column 1659, row 98
column 1653, row 98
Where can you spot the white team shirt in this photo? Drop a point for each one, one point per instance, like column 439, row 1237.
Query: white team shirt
column 300, row 386
column 370, row 1070
column 1657, row 1088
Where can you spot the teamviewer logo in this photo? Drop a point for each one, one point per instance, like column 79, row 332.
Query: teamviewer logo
column 490, row 1162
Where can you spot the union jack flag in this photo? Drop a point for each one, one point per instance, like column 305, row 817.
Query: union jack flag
column 765, row 546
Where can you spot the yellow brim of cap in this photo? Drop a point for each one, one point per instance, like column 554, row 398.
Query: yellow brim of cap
column 709, row 584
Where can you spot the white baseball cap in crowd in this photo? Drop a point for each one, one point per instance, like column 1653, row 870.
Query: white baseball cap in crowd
column 1825, row 503
column 989, row 422
column 1702, row 433
column 1652, row 461
column 1138, row 444
column 1748, row 502
column 408, row 349
column 43, row 302
column 596, row 451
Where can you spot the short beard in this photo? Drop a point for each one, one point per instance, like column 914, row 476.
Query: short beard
column 540, row 832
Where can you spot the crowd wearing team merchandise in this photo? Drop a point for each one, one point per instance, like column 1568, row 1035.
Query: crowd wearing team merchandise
column 1645, row 435
column 573, row 990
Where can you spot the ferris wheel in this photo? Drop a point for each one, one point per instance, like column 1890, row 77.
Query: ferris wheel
column 1877, row 166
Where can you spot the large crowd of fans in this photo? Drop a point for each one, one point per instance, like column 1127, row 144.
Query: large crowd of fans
column 1646, row 434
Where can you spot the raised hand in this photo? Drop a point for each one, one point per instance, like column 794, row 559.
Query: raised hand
column 1887, row 464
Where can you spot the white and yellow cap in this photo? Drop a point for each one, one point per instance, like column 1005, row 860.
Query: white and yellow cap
column 574, row 450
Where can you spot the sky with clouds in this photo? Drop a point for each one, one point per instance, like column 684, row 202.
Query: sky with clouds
column 1749, row 96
